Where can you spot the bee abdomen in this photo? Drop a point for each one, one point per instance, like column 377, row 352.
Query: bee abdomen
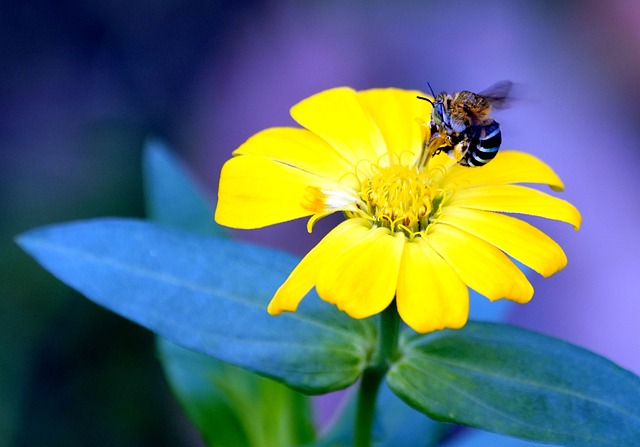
column 484, row 147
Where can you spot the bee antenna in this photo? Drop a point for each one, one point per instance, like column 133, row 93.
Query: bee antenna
column 432, row 92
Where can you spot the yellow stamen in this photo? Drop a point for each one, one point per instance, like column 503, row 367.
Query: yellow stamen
column 400, row 198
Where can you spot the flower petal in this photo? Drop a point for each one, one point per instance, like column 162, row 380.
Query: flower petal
column 515, row 237
column 516, row 199
column 362, row 279
column 507, row 167
column 299, row 148
column 255, row 192
column 337, row 116
column 430, row 296
column 480, row 265
column 395, row 112
column 303, row 277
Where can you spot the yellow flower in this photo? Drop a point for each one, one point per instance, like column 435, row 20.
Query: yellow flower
column 421, row 234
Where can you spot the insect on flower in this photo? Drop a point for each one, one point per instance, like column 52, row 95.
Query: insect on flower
column 420, row 232
column 461, row 123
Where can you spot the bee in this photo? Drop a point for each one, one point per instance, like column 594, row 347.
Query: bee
column 462, row 124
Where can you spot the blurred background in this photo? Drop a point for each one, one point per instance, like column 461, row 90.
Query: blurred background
column 84, row 83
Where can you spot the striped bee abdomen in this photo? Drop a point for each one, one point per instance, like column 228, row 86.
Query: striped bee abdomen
column 483, row 146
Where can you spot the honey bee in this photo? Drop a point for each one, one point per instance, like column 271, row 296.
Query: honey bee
column 461, row 124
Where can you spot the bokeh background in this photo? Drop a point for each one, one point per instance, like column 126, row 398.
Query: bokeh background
column 84, row 83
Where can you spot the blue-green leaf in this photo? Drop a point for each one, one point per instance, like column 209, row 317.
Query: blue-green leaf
column 171, row 196
column 209, row 295
column 477, row 438
column 508, row 380
column 231, row 407
column 396, row 424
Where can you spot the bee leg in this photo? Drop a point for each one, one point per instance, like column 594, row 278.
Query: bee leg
column 448, row 145
column 446, row 149
column 460, row 151
column 433, row 146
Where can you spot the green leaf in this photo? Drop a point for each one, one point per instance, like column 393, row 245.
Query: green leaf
column 171, row 195
column 232, row 407
column 508, row 380
column 209, row 295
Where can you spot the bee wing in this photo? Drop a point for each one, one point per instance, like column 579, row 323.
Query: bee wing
column 477, row 117
column 498, row 94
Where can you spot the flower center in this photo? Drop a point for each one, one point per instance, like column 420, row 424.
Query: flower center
column 399, row 197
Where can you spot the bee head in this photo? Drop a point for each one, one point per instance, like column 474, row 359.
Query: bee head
column 439, row 114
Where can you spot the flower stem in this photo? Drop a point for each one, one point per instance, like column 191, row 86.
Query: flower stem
column 373, row 375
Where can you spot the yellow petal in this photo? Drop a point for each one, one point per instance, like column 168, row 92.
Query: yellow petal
column 303, row 277
column 337, row 116
column 395, row 112
column 299, row 148
column 516, row 199
column 430, row 296
column 507, row 167
column 255, row 192
column 361, row 280
column 515, row 237
column 480, row 265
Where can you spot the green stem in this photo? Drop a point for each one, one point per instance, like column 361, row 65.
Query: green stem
column 373, row 375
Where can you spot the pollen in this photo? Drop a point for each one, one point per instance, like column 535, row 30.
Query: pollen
column 401, row 198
